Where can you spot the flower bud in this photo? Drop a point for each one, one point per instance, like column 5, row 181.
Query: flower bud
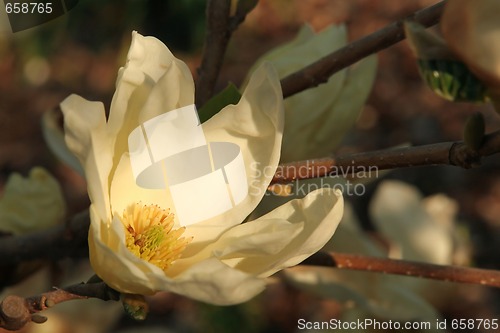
column 32, row 203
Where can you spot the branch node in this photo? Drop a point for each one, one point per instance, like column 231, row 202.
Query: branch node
column 14, row 313
column 49, row 303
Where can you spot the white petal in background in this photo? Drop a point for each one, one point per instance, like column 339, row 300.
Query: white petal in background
column 32, row 203
column 374, row 295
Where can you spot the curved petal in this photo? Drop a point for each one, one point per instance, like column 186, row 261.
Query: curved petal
column 301, row 227
column 54, row 137
column 320, row 211
column 152, row 82
column 304, row 110
column 339, row 118
column 305, row 107
column 398, row 212
column 210, row 280
column 148, row 60
column 255, row 238
column 255, row 124
column 214, row 282
column 338, row 113
column 107, row 264
column 115, row 264
column 32, row 203
column 306, row 48
column 86, row 137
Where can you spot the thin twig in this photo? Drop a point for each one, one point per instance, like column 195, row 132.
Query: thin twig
column 16, row 312
column 319, row 72
column 216, row 40
column 220, row 26
column 408, row 268
column 444, row 153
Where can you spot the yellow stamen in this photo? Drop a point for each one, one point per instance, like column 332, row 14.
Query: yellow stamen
column 149, row 234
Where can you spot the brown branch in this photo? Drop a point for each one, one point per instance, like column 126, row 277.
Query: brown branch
column 220, row 27
column 444, row 153
column 408, row 268
column 54, row 243
column 16, row 312
column 319, row 72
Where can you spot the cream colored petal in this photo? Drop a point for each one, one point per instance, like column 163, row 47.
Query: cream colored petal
column 338, row 114
column 54, row 137
column 320, row 212
column 117, row 266
column 210, row 280
column 398, row 213
column 124, row 191
column 148, row 60
column 213, row 282
column 86, row 137
column 173, row 90
column 32, row 203
column 304, row 108
column 255, row 238
column 255, row 124
column 152, row 82
column 348, row 105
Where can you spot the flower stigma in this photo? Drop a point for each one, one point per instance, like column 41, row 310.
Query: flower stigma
column 150, row 235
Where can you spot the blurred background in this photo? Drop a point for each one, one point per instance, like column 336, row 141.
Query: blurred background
column 82, row 51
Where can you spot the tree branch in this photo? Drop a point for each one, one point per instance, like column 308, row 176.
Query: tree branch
column 220, row 27
column 54, row 243
column 320, row 71
column 444, row 153
column 16, row 312
column 408, row 268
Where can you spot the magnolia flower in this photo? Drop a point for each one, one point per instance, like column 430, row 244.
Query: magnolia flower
column 472, row 31
column 320, row 117
column 32, row 203
column 136, row 244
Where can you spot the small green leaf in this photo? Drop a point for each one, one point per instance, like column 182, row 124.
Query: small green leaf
column 230, row 95
column 135, row 306
column 452, row 80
